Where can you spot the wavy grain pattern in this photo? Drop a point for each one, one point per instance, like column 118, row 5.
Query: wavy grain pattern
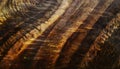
column 59, row 34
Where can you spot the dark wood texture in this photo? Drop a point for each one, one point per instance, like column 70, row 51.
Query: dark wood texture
column 59, row 34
